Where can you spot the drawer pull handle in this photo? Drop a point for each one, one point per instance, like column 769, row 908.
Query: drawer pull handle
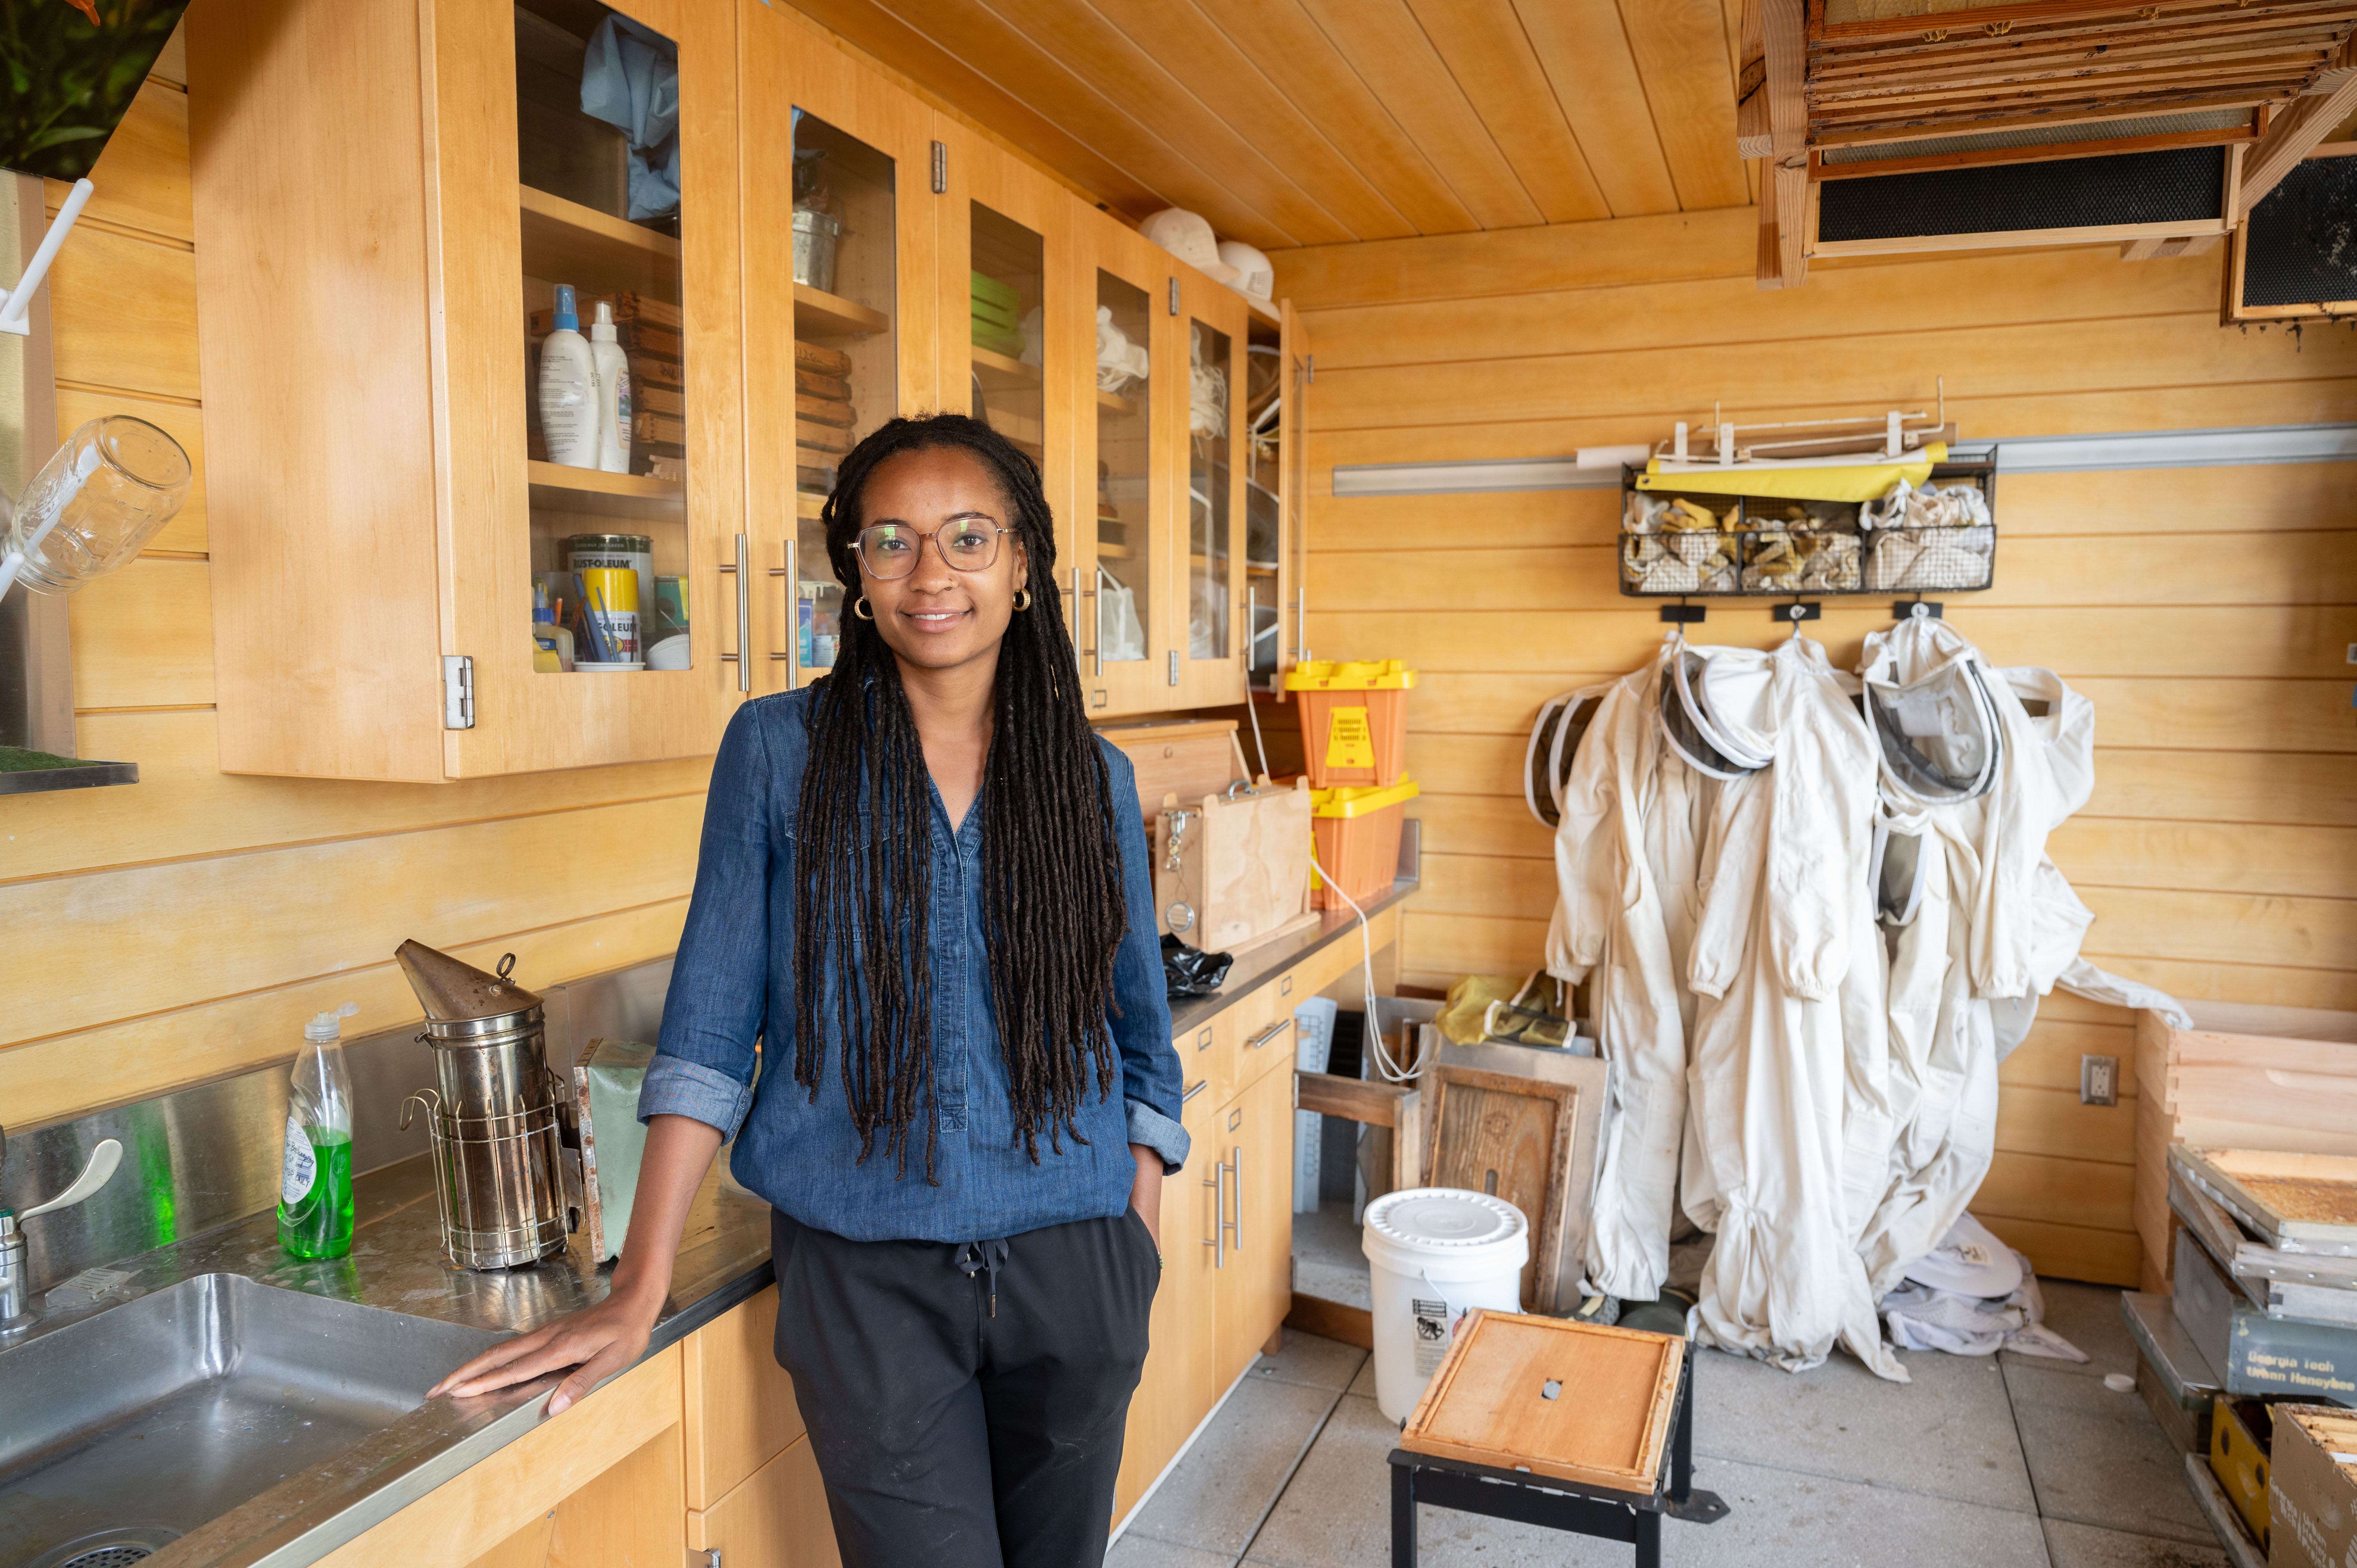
column 1188, row 1097
column 1272, row 1032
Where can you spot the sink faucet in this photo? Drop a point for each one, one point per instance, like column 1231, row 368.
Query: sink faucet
column 14, row 1261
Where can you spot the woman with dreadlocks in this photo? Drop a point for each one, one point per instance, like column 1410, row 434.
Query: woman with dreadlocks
column 924, row 891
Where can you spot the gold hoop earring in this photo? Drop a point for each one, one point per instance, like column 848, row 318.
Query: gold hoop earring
column 861, row 609
column 1022, row 598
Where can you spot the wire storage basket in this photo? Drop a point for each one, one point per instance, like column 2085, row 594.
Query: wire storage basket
column 1939, row 539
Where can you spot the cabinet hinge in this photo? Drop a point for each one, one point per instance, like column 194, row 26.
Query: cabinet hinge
column 940, row 167
column 1309, row 366
column 1174, row 667
column 457, row 691
column 1173, row 297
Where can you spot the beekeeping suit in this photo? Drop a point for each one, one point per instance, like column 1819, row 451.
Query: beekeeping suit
column 1625, row 854
column 1783, row 964
column 1989, row 924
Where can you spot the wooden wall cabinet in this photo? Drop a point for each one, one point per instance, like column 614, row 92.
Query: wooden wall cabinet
column 370, row 253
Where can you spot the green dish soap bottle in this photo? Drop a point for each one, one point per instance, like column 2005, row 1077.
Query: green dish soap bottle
column 314, row 1189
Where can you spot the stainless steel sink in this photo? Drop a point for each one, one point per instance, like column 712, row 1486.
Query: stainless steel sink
column 123, row 1432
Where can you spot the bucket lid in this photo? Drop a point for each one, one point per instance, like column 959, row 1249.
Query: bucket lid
column 452, row 991
column 1360, row 799
column 1350, row 675
column 1447, row 1225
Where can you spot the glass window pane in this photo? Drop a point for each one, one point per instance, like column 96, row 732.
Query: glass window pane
column 606, row 428
column 846, row 363
column 1009, row 290
column 1125, row 602
column 1209, row 569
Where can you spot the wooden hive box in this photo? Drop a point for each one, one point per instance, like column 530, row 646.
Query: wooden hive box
column 1574, row 1402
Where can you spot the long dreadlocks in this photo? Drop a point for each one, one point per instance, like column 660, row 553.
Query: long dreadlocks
column 1054, row 908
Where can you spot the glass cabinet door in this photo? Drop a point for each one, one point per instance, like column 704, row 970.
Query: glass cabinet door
column 1211, row 478
column 605, row 346
column 846, row 348
column 1122, row 631
column 1264, row 535
column 1006, row 330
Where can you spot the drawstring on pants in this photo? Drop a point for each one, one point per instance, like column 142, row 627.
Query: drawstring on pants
column 983, row 1257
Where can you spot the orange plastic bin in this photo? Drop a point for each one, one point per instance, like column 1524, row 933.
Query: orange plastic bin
column 1356, row 833
column 1353, row 720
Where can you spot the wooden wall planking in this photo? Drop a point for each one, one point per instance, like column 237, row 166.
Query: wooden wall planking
column 2206, row 611
column 188, row 925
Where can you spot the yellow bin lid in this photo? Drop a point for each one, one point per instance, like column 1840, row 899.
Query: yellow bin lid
column 1350, row 675
column 1360, row 799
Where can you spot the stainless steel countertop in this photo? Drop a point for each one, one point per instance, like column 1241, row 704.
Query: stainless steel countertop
column 1259, row 964
column 396, row 1263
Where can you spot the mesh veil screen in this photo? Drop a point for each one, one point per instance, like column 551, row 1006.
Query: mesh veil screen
column 2303, row 241
column 2180, row 185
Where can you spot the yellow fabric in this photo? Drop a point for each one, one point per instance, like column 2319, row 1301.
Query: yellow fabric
column 1359, row 800
column 1350, row 675
column 1859, row 482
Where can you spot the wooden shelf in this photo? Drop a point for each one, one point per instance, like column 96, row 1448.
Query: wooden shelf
column 566, row 242
column 818, row 314
column 1117, row 403
column 808, row 505
column 557, row 487
column 999, row 373
column 1116, row 553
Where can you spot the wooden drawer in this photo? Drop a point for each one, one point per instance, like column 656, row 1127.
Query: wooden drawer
column 740, row 1407
column 1261, row 1023
column 1207, row 1056
column 776, row 1518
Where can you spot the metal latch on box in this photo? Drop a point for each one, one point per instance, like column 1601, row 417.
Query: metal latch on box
column 458, row 690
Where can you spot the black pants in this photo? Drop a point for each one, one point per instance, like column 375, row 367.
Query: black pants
column 965, row 1403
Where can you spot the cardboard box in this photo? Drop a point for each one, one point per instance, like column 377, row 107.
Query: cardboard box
column 2312, row 1487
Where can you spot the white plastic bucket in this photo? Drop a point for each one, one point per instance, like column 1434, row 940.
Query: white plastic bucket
column 1434, row 1254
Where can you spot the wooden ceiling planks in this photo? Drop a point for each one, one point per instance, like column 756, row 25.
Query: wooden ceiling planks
column 1293, row 123
column 1387, row 47
column 1684, row 54
column 1093, row 61
column 1302, row 62
column 1587, row 53
column 1485, row 48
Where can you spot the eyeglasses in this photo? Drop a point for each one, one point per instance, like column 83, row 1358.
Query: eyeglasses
column 889, row 549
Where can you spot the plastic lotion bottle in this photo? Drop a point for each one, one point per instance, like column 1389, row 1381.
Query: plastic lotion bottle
column 315, row 1184
column 568, row 389
column 613, row 369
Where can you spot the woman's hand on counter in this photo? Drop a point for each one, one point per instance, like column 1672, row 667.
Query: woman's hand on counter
column 610, row 1336
column 597, row 1343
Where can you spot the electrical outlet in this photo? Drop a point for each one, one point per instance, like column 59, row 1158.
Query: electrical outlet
column 2099, row 1080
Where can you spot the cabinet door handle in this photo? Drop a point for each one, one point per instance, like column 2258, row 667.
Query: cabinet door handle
column 1189, row 1097
column 744, row 616
column 1218, row 1183
column 1072, row 618
column 1096, row 632
column 1265, row 1036
column 792, row 655
column 1236, row 1182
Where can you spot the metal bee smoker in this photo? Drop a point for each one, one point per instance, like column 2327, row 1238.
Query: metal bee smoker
column 494, row 1116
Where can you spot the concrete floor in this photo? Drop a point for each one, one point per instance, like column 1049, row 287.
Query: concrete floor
column 1999, row 1461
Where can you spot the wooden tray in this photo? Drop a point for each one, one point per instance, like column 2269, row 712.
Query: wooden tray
column 2299, row 1203
column 1606, row 1425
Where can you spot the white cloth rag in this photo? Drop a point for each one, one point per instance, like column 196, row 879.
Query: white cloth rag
column 1924, row 1319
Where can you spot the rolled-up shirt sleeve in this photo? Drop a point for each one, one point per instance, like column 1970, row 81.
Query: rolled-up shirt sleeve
column 714, row 1012
column 1153, row 1083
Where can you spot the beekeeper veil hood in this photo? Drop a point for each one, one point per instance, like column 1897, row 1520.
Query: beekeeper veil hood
column 1723, row 748
column 1935, row 725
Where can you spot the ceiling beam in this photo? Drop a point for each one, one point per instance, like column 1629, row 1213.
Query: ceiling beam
column 1784, row 46
column 2295, row 132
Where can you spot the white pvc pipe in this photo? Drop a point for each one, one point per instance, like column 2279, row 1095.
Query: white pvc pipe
column 19, row 300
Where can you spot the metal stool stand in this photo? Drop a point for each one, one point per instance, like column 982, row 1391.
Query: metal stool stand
column 1526, row 1499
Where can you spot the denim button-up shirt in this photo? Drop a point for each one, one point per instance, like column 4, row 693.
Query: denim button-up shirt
column 734, row 985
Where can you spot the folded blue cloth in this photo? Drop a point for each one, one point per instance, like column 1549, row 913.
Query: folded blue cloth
column 629, row 79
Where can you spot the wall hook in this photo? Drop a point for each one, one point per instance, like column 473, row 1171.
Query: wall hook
column 1793, row 614
column 1916, row 609
column 1683, row 613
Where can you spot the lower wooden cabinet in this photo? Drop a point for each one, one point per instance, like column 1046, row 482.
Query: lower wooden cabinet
column 1253, row 1137
column 740, row 1404
column 776, row 1518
